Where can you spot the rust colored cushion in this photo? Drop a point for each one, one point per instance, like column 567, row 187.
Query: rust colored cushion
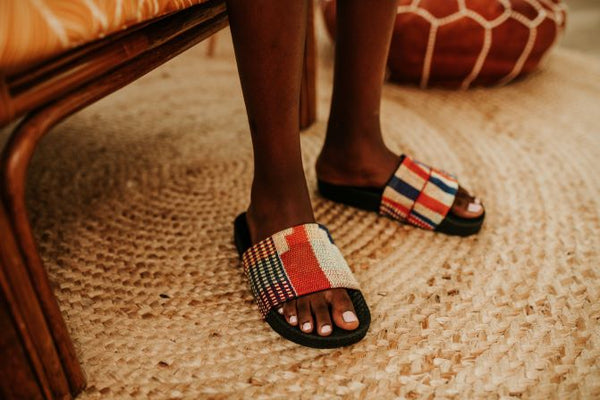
column 34, row 30
column 460, row 43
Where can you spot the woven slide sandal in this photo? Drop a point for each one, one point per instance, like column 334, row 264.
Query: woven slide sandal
column 415, row 194
column 296, row 262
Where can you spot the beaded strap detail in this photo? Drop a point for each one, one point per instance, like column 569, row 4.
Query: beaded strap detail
column 294, row 262
column 418, row 194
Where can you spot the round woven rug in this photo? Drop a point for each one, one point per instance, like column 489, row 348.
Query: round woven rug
column 133, row 201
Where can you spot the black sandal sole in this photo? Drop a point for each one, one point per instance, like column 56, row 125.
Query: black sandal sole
column 338, row 338
column 370, row 199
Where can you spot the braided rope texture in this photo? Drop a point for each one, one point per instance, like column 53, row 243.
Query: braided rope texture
column 133, row 200
column 295, row 262
column 418, row 194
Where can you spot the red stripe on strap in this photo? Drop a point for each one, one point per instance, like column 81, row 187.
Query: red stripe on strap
column 417, row 169
column 398, row 208
column 301, row 264
column 433, row 204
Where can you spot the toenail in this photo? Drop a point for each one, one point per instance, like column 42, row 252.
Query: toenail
column 474, row 207
column 326, row 329
column 293, row 319
column 306, row 326
column 280, row 310
column 349, row 316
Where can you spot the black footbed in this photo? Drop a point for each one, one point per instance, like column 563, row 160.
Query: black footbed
column 369, row 198
column 338, row 338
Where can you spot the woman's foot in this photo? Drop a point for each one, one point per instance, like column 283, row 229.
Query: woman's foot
column 372, row 166
column 317, row 312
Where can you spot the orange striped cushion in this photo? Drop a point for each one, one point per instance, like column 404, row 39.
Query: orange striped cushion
column 34, row 30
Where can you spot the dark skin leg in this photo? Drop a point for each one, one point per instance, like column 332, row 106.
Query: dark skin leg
column 268, row 37
column 354, row 152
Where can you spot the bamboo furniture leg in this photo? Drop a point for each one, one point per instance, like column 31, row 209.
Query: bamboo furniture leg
column 42, row 317
column 33, row 307
column 30, row 368
column 14, row 356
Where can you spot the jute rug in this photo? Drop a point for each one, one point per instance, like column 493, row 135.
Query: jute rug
column 133, row 201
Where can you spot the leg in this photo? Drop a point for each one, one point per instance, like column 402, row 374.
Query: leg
column 354, row 152
column 268, row 37
column 308, row 90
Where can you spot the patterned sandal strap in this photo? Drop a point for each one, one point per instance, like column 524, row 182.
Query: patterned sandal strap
column 418, row 194
column 294, row 262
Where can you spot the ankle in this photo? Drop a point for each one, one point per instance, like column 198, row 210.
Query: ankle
column 265, row 222
column 353, row 140
column 274, row 208
column 365, row 164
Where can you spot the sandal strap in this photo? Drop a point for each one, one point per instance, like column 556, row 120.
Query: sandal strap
column 295, row 262
column 419, row 194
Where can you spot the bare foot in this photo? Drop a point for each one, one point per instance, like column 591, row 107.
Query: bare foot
column 317, row 312
column 373, row 168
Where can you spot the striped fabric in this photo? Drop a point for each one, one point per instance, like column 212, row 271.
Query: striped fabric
column 32, row 31
column 418, row 194
column 294, row 262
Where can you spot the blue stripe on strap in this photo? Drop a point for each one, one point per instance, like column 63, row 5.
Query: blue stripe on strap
column 404, row 188
column 442, row 185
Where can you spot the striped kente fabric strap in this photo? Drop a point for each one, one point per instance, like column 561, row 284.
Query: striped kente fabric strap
column 418, row 194
column 294, row 262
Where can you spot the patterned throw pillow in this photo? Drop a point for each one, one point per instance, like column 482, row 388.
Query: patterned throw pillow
column 461, row 43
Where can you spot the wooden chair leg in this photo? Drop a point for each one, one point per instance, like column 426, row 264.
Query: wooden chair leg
column 308, row 90
column 23, row 279
column 30, row 366
column 211, row 46
column 28, row 280
column 17, row 375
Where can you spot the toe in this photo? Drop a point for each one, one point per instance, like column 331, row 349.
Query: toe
column 290, row 312
column 320, row 309
column 342, row 310
column 466, row 206
column 305, row 319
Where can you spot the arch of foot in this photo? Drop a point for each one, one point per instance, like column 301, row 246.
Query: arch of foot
column 462, row 43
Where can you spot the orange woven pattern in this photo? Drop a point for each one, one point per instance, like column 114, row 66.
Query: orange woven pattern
column 295, row 262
